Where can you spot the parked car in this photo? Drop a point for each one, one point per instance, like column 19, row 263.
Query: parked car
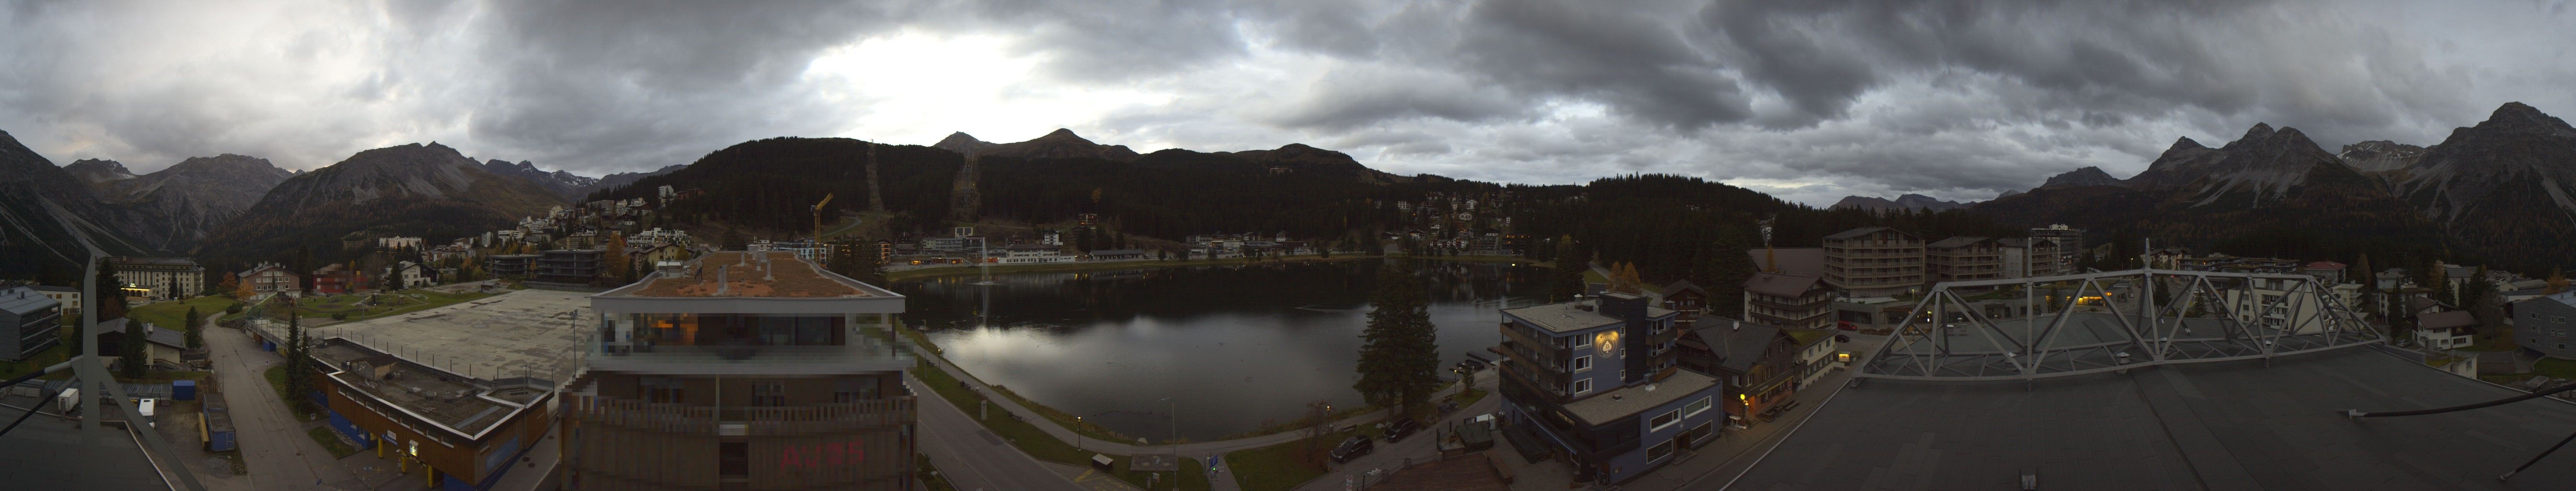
column 1400, row 429
column 1352, row 448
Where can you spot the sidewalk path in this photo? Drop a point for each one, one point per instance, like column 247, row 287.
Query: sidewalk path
column 273, row 444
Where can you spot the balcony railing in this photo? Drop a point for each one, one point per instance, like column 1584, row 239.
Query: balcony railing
column 860, row 354
column 758, row 421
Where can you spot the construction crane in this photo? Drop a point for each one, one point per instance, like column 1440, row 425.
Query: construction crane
column 818, row 218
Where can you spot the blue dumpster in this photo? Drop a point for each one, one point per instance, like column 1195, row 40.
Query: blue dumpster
column 185, row 390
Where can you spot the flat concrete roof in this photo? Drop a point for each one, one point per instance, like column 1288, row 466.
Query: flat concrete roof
column 1562, row 317
column 1604, row 407
column 2236, row 425
column 746, row 274
column 49, row 453
column 524, row 333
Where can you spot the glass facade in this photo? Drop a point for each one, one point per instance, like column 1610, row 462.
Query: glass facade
column 729, row 329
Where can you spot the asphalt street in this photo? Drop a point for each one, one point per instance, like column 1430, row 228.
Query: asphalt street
column 273, row 444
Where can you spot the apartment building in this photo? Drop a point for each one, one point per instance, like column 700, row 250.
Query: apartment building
column 2027, row 257
column 168, row 278
column 1874, row 262
column 1596, row 380
column 1964, row 259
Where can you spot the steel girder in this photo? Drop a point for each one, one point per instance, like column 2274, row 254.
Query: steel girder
column 2212, row 317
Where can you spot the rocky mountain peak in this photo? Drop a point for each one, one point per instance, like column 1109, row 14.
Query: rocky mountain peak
column 2259, row 132
column 2088, row 176
column 561, row 183
column 961, row 142
column 1063, row 133
column 1908, row 201
column 2380, row 155
column 2516, row 116
column 96, row 171
column 2184, row 143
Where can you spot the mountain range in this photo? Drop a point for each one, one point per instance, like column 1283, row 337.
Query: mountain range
column 1901, row 203
column 2498, row 190
column 565, row 185
column 410, row 190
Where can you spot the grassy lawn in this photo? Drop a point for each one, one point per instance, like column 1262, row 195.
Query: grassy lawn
column 277, row 382
column 331, row 442
column 2554, row 367
column 1280, row 467
column 930, row 475
column 46, row 358
column 1469, row 397
column 2503, row 341
column 174, row 314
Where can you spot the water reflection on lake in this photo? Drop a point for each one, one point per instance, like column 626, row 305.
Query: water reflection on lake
column 1241, row 346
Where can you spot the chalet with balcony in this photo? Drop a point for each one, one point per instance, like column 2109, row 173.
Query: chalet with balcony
column 1686, row 299
column 1781, row 300
column 1594, row 381
column 1754, row 364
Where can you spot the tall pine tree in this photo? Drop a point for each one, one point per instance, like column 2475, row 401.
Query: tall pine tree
column 1400, row 361
column 299, row 378
column 195, row 338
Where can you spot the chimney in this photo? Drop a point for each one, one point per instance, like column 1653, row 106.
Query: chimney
column 721, row 286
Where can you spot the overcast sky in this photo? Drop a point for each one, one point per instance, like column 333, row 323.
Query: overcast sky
column 1806, row 99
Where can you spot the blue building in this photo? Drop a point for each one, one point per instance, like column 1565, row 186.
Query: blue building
column 1594, row 382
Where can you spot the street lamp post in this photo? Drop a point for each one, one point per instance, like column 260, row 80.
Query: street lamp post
column 1077, row 434
column 1174, row 442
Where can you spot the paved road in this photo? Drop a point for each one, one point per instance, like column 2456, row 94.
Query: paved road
column 273, row 443
column 972, row 457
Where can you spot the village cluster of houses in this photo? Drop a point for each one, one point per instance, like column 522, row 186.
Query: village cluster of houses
column 1459, row 223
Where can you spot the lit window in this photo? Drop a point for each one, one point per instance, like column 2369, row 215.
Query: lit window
column 1582, row 387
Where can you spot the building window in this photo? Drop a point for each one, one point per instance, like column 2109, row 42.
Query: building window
column 768, row 394
column 663, row 390
column 1582, row 364
column 1696, row 434
column 852, row 390
column 1584, row 386
column 1582, row 341
column 1694, row 408
column 1663, row 421
column 1660, row 450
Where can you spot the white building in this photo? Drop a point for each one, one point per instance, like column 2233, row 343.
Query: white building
column 166, row 278
column 392, row 243
column 1031, row 254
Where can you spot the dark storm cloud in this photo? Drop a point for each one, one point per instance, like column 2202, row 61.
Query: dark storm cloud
column 1954, row 98
column 606, row 85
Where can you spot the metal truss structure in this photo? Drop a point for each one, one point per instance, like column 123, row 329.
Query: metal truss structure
column 2111, row 321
